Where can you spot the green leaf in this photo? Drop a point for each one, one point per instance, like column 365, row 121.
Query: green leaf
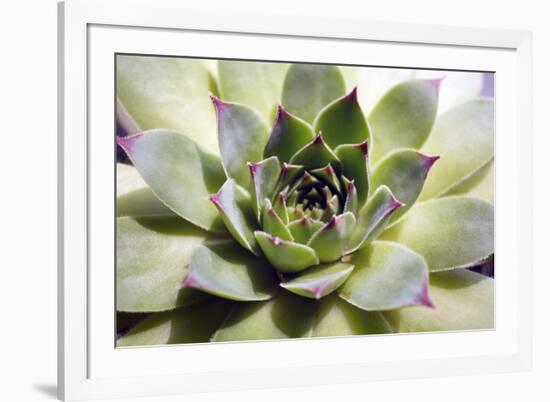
column 373, row 218
column 152, row 254
column 329, row 241
column 302, row 229
column 257, row 84
column 242, row 135
column 265, row 175
column 343, row 122
column 279, row 205
column 450, row 232
column 273, row 224
column 328, row 176
column 319, row 281
column 335, row 317
column 224, row 269
column 190, row 324
column 286, row 316
column 404, row 171
column 352, row 201
column 387, row 275
column 463, row 300
column 479, row 184
column 355, row 162
column 288, row 135
column 286, row 256
column 404, row 117
column 289, row 174
column 235, row 208
column 315, row 154
column 310, row 87
column 168, row 93
column 172, row 164
column 134, row 197
column 464, row 138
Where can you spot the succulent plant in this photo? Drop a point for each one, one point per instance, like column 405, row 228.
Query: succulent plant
column 327, row 222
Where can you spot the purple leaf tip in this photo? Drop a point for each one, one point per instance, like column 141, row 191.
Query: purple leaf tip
column 253, row 167
column 435, row 83
column 281, row 112
column 215, row 198
column 352, row 96
column 395, row 204
column 319, row 289
column 190, row 281
column 428, row 162
column 364, row 147
column 127, row 142
column 318, row 140
column 423, row 298
column 275, row 240
column 219, row 105
column 333, row 221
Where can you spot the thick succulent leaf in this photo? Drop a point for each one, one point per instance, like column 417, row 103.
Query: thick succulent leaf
column 373, row 218
column 289, row 175
column 252, row 83
column 450, row 232
column 222, row 268
column 273, row 224
column 336, row 317
column 242, row 135
column 190, row 324
column 265, row 175
column 169, row 93
column 134, row 197
column 330, row 241
column 151, row 262
column 343, row 122
column 327, row 175
column 286, row 256
column 310, row 87
column 464, row 138
column 404, row 117
column 479, row 184
column 404, row 171
column 355, row 162
column 288, row 135
column 172, row 164
column 387, row 275
column 286, row 316
column 302, row 229
column 235, row 208
column 352, row 200
column 279, row 205
column 319, row 281
column 463, row 300
column 315, row 154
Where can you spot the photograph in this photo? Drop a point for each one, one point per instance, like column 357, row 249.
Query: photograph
column 268, row 200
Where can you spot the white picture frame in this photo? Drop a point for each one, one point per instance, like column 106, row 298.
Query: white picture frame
column 87, row 366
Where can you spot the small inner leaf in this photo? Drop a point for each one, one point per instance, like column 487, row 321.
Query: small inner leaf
column 329, row 242
column 273, row 224
column 286, row 256
column 319, row 281
column 265, row 175
column 355, row 162
column 302, row 229
column 315, row 154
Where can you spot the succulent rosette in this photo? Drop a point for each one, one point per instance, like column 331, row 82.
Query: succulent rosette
column 261, row 201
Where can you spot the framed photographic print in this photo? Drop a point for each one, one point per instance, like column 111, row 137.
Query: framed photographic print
column 249, row 204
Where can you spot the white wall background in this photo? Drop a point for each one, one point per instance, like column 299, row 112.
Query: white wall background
column 28, row 199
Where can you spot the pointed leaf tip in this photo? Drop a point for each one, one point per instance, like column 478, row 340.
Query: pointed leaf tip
column 352, row 95
column 127, row 142
column 281, row 112
column 435, row 83
column 318, row 139
column 423, row 298
column 429, row 161
column 253, row 167
column 364, row 147
column 395, row 204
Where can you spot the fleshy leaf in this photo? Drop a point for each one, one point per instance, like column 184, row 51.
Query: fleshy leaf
column 265, row 175
column 315, row 154
column 463, row 300
column 223, row 269
column 373, row 217
column 171, row 164
column 352, row 201
column 450, row 232
column 273, row 224
column 256, row 83
column 289, row 174
column 310, row 87
column 479, row 184
column 288, row 135
column 302, row 229
column 387, row 275
column 343, row 122
column 168, row 93
column 279, row 205
column 329, row 241
column 355, row 162
column 134, row 197
column 185, row 325
column 286, row 316
column 464, row 138
column 151, row 261
column 319, row 281
column 404, row 117
column 235, row 208
column 242, row 135
column 336, row 317
column 404, row 171
column 286, row 256
column 328, row 176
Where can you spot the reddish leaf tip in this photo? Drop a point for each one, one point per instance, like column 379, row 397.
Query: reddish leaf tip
column 215, row 198
column 219, row 104
column 190, row 281
column 318, row 140
column 127, row 142
column 281, row 112
column 352, row 96
column 364, row 147
column 306, row 220
column 435, row 83
column 428, row 162
column 423, row 298
column 253, row 167
column 395, row 204
column 333, row 221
